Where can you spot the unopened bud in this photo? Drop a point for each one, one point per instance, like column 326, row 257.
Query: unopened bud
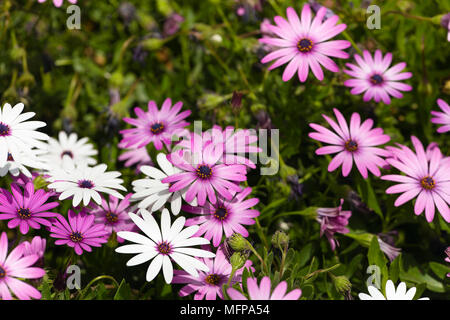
column 280, row 239
column 238, row 260
column 236, row 100
column 342, row 284
column 237, row 242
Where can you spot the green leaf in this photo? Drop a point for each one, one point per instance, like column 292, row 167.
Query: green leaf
column 123, row 292
column 304, row 255
column 368, row 195
column 394, row 268
column 439, row 269
column 354, row 265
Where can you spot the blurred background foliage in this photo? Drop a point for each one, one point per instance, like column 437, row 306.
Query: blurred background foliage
column 129, row 52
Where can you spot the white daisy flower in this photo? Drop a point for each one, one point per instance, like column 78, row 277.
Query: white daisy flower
column 18, row 135
column 391, row 293
column 170, row 242
column 152, row 193
column 15, row 166
column 83, row 182
column 80, row 151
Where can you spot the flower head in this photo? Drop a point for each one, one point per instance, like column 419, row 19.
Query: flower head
column 157, row 126
column 373, row 77
column 333, row 220
column 428, row 179
column 443, row 117
column 355, row 143
column 303, row 43
column 80, row 232
column 23, row 160
column 164, row 244
column 264, row 292
column 26, row 209
column 391, row 293
column 36, row 246
column 58, row 3
column 14, row 266
column 209, row 284
column 225, row 216
column 138, row 156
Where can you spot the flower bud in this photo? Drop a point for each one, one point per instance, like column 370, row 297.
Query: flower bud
column 238, row 260
column 280, row 239
column 342, row 284
column 236, row 100
column 237, row 242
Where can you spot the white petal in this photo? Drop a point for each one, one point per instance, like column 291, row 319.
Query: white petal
column 154, row 268
column 141, row 258
column 167, row 269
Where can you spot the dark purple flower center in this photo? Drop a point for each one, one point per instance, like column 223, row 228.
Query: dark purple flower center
column 24, row 213
column 10, row 157
column 157, row 128
column 204, row 171
column 376, row 79
column 351, row 145
column 304, row 45
column 76, row 237
column 164, row 248
column 213, row 279
column 2, row 272
column 67, row 153
column 4, row 130
column 221, row 213
column 428, row 183
column 86, row 184
column 112, row 217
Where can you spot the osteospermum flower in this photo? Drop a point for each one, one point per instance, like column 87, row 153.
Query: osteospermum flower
column 153, row 194
column 447, row 259
column 443, row 117
column 164, row 244
column 36, row 246
column 355, row 143
column 26, row 209
column 208, row 285
column 225, row 216
column 58, row 3
column 80, row 232
column 31, row 159
column 157, row 126
column 113, row 214
column 18, row 135
column 203, row 175
column 264, row 292
column 333, row 220
column 428, row 180
column 84, row 183
column 373, row 77
column 135, row 156
column 78, row 150
column 303, row 43
column 391, row 293
column 14, row 266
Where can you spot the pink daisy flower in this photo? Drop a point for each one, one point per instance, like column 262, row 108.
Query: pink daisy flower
column 79, row 233
column 442, row 117
column 203, row 175
column 14, row 266
column 225, row 216
column 355, row 143
column 209, row 284
column 426, row 179
column 447, row 259
column 373, row 77
column 58, row 3
column 303, row 43
column 114, row 215
column 333, row 220
column 135, row 156
column 264, row 292
column 157, row 126
column 27, row 209
column 36, row 246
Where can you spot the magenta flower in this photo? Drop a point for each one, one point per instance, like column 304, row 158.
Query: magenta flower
column 442, row 117
column 36, row 247
column 27, row 209
column 304, row 43
column 333, row 220
column 58, row 3
column 203, row 175
column 157, row 126
column 263, row 291
column 426, row 179
column 14, row 266
column 390, row 251
column 135, row 156
column 114, row 215
column 447, row 259
column 355, row 143
column 225, row 216
column 373, row 77
column 79, row 233
column 209, row 284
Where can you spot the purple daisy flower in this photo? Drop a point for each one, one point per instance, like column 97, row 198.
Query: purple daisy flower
column 79, row 233
column 225, row 216
column 442, row 117
column 209, row 284
column 264, row 291
column 428, row 179
column 157, row 126
column 135, row 156
column 27, row 209
column 114, row 215
column 303, row 43
column 373, row 77
column 356, row 142
column 333, row 220
column 14, row 266
column 203, row 175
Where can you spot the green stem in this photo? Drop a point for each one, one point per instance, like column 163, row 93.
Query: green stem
column 349, row 38
column 321, row 270
column 283, row 259
column 227, row 285
column 410, row 16
column 258, row 256
column 84, row 291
